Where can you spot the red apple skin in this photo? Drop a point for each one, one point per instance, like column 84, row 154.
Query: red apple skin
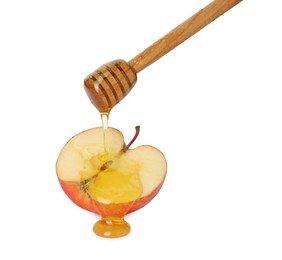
column 77, row 196
column 81, row 199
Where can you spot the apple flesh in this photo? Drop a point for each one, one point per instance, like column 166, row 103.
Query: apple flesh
column 112, row 184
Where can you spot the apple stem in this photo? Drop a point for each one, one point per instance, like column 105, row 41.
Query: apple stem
column 126, row 147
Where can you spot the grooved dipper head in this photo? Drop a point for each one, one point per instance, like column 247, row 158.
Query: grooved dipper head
column 109, row 84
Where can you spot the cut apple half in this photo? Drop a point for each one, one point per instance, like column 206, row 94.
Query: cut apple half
column 112, row 183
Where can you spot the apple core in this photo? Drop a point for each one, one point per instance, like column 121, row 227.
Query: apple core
column 117, row 182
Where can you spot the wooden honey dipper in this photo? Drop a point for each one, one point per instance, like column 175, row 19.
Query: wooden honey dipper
column 110, row 83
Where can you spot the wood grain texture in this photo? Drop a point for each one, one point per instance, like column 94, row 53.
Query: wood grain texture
column 110, row 83
column 181, row 33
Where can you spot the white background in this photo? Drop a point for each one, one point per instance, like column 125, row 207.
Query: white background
column 213, row 106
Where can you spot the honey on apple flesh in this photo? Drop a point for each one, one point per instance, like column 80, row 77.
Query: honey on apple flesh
column 117, row 183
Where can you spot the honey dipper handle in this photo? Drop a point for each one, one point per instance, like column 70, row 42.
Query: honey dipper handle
column 181, row 33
